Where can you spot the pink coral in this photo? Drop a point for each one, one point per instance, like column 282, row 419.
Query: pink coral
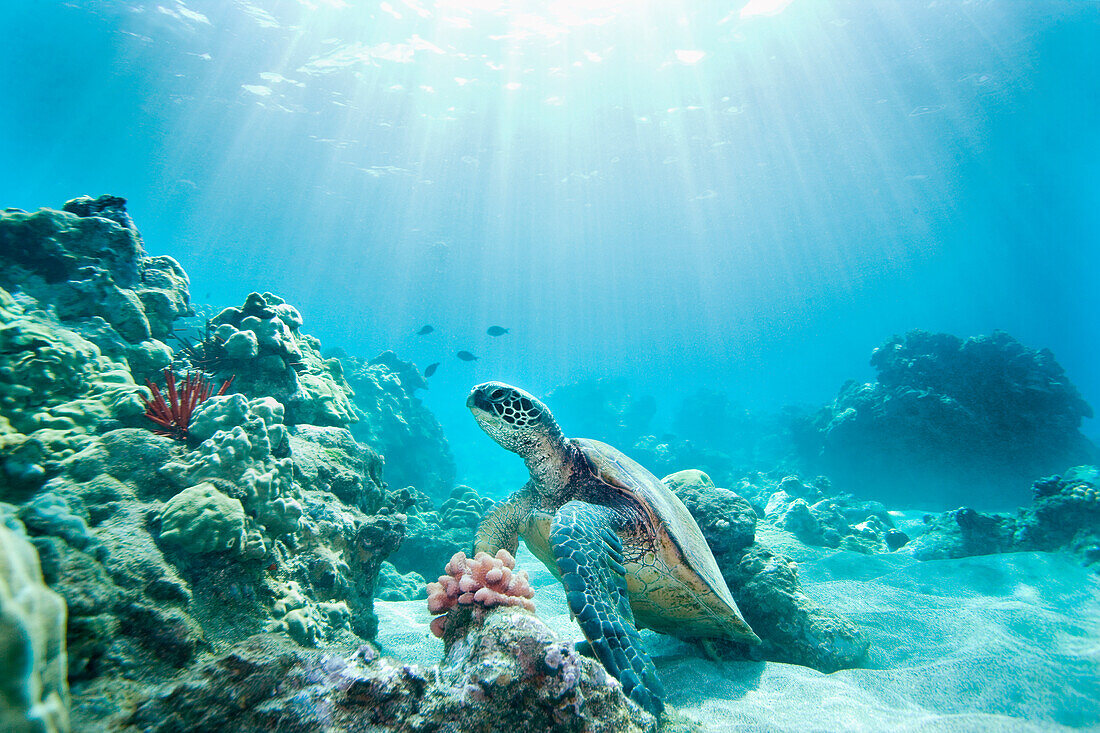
column 483, row 581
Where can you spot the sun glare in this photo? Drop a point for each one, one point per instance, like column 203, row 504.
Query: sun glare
column 764, row 7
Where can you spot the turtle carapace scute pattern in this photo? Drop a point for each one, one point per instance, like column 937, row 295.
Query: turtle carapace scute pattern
column 626, row 549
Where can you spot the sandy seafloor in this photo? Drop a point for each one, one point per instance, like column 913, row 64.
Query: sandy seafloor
column 994, row 643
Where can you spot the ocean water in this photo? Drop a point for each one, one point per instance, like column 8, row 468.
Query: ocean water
column 695, row 220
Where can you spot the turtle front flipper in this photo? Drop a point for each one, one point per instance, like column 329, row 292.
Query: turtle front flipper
column 500, row 528
column 589, row 556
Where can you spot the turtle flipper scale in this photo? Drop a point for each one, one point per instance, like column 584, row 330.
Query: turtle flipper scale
column 589, row 557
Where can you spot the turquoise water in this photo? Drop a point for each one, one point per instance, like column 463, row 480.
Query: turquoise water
column 693, row 224
column 685, row 194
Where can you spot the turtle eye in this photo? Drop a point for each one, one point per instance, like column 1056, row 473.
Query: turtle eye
column 496, row 394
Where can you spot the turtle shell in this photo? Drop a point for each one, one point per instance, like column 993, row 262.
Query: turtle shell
column 670, row 520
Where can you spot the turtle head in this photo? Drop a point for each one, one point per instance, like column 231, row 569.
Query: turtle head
column 514, row 419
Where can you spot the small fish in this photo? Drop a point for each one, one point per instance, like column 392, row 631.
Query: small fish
column 425, row 330
column 497, row 331
column 466, row 356
column 430, row 370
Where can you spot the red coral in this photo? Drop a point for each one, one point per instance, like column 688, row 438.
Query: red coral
column 174, row 414
column 483, row 581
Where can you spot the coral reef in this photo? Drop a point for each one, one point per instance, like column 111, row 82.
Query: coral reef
column 266, row 519
column 268, row 353
column 34, row 688
column 394, row 422
column 57, row 389
column 436, row 534
column 950, row 421
column 1064, row 515
column 765, row 585
column 508, row 673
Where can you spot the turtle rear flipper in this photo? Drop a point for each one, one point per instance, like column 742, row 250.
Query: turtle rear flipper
column 589, row 557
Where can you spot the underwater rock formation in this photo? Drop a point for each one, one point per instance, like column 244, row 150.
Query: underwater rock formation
column 817, row 515
column 792, row 627
column 950, row 421
column 34, row 688
column 88, row 261
column 1064, row 515
column 435, row 535
column 394, row 422
column 507, row 673
column 262, row 345
column 264, row 517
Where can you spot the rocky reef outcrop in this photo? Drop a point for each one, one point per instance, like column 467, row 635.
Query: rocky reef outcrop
column 818, row 515
column 435, row 533
column 950, row 421
column 503, row 670
column 264, row 516
column 765, row 584
column 393, row 421
column 1063, row 515
column 262, row 346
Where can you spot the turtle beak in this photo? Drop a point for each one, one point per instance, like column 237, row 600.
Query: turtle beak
column 477, row 399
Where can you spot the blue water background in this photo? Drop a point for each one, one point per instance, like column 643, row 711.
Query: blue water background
column 666, row 192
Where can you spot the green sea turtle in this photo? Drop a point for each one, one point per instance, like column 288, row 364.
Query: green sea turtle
column 624, row 546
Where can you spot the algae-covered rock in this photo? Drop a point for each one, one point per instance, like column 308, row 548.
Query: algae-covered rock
column 765, row 585
column 89, row 261
column 793, row 627
column 34, row 690
column 509, row 673
column 330, row 459
column 261, row 344
column 728, row 521
column 56, row 390
column 394, row 422
column 395, row 586
column 202, row 519
column 950, row 421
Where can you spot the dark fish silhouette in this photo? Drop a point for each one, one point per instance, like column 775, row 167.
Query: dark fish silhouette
column 430, row 370
column 425, row 331
column 466, row 356
column 497, row 331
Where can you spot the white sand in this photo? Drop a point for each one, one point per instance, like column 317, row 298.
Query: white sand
column 998, row 643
